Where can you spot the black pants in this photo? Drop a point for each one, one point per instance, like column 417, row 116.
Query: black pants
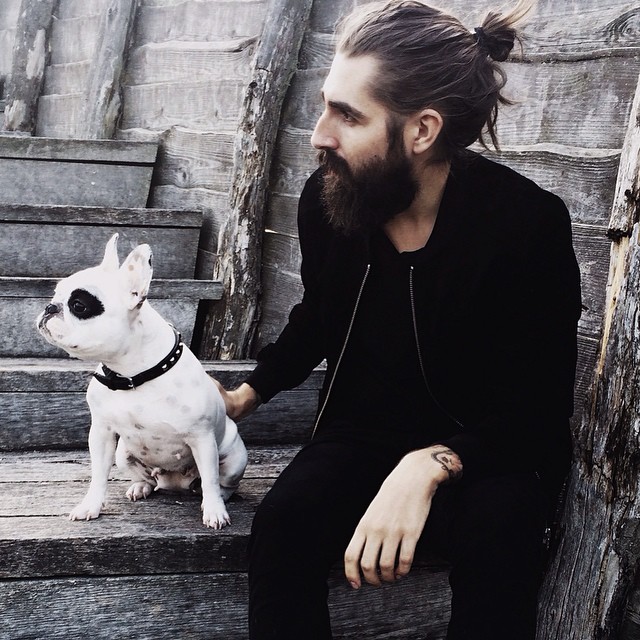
column 490, row 530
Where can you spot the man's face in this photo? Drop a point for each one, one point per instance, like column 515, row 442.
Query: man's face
column 368, row 177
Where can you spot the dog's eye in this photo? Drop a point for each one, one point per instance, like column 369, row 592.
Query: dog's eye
column 84, row 305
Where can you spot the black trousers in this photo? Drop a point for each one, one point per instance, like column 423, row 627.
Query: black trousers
column 489, row 529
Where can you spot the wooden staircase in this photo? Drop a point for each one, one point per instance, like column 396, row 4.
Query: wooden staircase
column 148, row 569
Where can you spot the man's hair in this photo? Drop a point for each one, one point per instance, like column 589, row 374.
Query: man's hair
column 428, row 58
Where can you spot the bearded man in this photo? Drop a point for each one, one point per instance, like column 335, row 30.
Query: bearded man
column 443, row 291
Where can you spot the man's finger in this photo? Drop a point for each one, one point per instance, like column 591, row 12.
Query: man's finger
column 352, row 560
column 387, row 562
column 405, row 557
column 369, row 562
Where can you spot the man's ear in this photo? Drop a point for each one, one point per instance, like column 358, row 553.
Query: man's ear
column 424, row 129
column 136, row 273
column 110, row 262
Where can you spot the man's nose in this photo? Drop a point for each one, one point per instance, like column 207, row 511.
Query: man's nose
column 322, row 137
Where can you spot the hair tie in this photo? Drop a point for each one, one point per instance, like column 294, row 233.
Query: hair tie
column 480, row 37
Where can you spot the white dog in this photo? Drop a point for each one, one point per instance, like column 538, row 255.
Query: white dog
column 165, row 409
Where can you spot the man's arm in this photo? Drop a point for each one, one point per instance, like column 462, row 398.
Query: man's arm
column 240, row 402
column 394, row 521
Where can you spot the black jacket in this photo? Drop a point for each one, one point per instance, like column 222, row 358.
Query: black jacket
column 497, row 330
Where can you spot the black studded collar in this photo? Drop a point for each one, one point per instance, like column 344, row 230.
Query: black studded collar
column 117, row 382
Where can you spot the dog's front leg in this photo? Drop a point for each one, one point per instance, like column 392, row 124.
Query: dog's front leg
column 102, row 447
column 205, row 453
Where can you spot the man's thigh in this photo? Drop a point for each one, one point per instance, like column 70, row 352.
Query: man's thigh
column 322, row 494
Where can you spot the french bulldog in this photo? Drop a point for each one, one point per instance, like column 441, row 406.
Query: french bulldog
column 153, row 407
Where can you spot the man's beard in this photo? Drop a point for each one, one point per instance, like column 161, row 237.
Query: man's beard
column 365, row 198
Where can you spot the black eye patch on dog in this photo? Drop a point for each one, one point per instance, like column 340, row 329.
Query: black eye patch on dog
column 84, row 305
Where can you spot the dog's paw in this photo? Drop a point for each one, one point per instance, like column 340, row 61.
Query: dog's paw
column 85, row 511
column 139, row 490
column 215, row 516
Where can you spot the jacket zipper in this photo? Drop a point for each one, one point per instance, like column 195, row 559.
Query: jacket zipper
column 419, row 350
column 344, row 347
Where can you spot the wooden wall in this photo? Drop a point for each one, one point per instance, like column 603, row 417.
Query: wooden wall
column 8, row 21
column 186, row 71
column 573, row 90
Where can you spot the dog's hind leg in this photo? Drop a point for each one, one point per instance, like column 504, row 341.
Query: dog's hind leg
column 145, row 483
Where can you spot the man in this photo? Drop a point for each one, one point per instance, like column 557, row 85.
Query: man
column 443, row 292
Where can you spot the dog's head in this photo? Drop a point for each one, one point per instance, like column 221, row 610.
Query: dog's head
column 92, row 310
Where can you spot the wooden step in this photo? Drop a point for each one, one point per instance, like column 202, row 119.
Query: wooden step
column 109, row 173
column 48, row 395
column 22, row 299
column 53, row 241
column 150, row 569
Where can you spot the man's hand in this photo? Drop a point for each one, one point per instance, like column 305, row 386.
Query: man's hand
column 384, row 542
column 241, row 401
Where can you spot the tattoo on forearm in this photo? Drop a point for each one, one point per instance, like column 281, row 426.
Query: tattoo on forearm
column 449, row 462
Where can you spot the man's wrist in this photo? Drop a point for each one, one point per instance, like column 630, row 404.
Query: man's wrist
column 440, row 463
column 448, row 461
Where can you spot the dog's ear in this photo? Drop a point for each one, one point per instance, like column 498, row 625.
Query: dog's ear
column 137, row 271
column 110, row 262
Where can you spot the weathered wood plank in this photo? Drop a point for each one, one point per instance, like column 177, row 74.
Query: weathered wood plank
column 553, row 102
column 18, row 315
column 631, row 625
column 70, row 247
column 193, row 159
column 102, row 95
column 71, row 77
column 30, row 55
column 60, row 116
column 283, row 289
column 47, row 182
column 61, row 420
column 100, row 216
column 99, row 151
column 73, row 466
column 179, row 60
column 203, row 103
column 597, row 564
column 204, row 606
column 35, row 375
column 49, row 396
column 74, row 39
column 229, row 330
column 627, row 193
column 553, row 31
column 69, row 9
column 192, row 20
column 184, row 289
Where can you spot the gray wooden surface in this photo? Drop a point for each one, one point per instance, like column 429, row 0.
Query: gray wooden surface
column 81, row 172
column 186, row 581
column 49, row 396
column 29, row 58
column 22, row 299
column 53, row 241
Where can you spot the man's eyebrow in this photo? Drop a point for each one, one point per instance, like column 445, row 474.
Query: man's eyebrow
column 345, row 107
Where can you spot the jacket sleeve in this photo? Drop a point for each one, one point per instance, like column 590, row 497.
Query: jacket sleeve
column 288, row 361
column 531, row 382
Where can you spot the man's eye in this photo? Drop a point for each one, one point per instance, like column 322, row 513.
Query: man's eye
column 347, row 117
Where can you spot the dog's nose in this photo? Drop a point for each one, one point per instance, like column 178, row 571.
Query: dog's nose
column 52, row 309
